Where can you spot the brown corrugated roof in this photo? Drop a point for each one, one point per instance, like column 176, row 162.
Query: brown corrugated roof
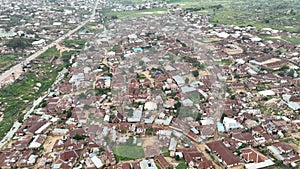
column 162, row 162
column 223, row 152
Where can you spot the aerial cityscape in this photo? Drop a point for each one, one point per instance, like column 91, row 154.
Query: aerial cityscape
column 146, row 84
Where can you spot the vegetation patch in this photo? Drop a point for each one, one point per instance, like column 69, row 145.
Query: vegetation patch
column 7, row 61
column 77, row 44
column 182, row 165
column 18, row 96
column 128, row 152
column 280, row 15
column 132, row 14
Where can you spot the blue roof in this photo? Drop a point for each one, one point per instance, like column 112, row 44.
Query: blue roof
column 137, row 49
column 220, row 127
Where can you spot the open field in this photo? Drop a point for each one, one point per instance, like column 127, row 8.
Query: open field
column 138, row 13
column 278, row 14
column 295, row 40
column 128, row 152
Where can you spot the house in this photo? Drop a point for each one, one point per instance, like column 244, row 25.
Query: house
column 57, row 24
column 103, row 82
column 172, row 147
column 66, row 159
column 35, row 128
column 27, row 159
column 150, row 106
column 109, row 158
column 37, row 141
column 97, row 162
column 208, row 131
column 255, row 159
column 284, row 148
column 162, row 162
column 39, row 43
column 245, row 138
column 137, row 115
column 58, row 145
column 22, row 142
column 164, row 122
column 195, row 158
column 179, row 80
column 59, row 132
column 231, row 124
column 148, row 164
column 284, row 152
column 223, row 153
column 118, row 118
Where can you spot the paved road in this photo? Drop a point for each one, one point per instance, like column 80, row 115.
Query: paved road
column 18, row 67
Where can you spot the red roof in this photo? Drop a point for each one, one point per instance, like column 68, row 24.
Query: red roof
column 243, row 137
column 163, row 163
column 192, row 155
column 251, row 155
column 223, row 152
column 283, row 147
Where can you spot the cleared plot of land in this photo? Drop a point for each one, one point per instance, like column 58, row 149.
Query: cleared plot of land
column 151, row 147
column 188, row 112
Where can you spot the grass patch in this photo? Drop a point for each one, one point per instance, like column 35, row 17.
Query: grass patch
column 46, row 56
column 77, row 44
column 166, row 154
column 295, row 40
column 182, row 165
column 7, row 61
column 225, row 62
column 128, row 152
column 187, row 112
column 195, row 97
column 20, row 95
column 97, row 120
column 261, row 14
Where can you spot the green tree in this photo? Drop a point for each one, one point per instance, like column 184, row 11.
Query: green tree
column 291, row 73
column 195, row 73
column 199, row 115
column 18, row 43
column 69, row 113
column 149, row 131
column 177, row 158
column 223, row 116
column 187, row 80
column 79, row 137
